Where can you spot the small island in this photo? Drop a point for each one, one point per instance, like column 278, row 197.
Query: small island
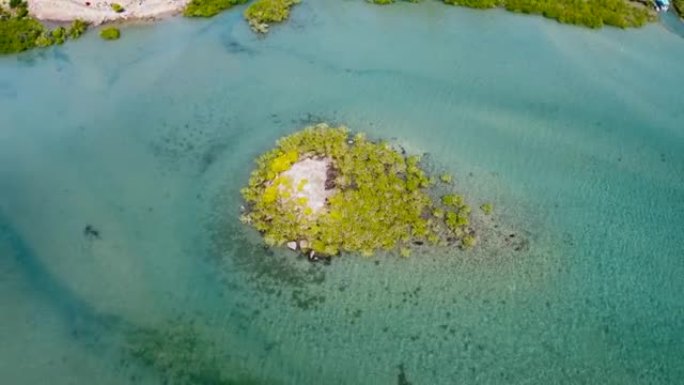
column 110, row 33
column 323, row 191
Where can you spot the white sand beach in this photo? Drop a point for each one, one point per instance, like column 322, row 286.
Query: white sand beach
column 98, row 12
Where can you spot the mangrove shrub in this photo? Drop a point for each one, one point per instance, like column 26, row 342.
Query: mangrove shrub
column 209, row 8
column 382, row 199
column 110, row 33
column 261, row 13
column 589, row 13
column 118, row 8
column 20, row 32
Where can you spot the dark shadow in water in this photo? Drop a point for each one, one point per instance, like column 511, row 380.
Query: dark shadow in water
column 175, row 351
column 278, row 274
column 82, row 318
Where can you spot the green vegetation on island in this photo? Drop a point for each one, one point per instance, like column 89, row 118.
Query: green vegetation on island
column 110, row 33
column 376, row 198
column 589, row 13
column 209, row 8
column 20, row 32
column 261, row 13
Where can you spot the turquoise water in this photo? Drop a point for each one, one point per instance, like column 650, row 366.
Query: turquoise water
column 575, row 136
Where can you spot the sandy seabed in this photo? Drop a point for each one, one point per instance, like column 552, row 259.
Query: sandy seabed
column 98, row 12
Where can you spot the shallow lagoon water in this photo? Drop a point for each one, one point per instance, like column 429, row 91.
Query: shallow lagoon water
column 574, row 135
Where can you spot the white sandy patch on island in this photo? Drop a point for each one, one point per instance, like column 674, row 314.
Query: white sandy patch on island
column 98, row 12
column 308, row 178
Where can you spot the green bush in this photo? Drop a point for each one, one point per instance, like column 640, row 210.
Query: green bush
column 589, row 13
column 679, row 7
column 110, row 33
column 446, row 178
column 59, row 35
column 261, row 13
column 382, row 199
column 18, row 34
column 44, row 40
column 77, row 28
column 22, row 11
column 116, row 7
column 209, row 8
column 15, row 3
column 476, row 3
column 487, row 208
column 468, row 242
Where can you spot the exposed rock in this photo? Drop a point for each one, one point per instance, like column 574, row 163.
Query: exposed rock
column 292, row 245
column 313, row 257
column 308, row 178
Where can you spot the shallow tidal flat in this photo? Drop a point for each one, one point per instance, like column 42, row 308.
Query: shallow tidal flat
column 574, row 135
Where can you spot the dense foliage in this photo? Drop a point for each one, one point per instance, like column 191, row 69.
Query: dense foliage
column 261, row 13
column 116, row 7
column 382, row 201
column 679, row 7
column 20, row 32
column 589, row 13
column 209, row 8
column 110, row 33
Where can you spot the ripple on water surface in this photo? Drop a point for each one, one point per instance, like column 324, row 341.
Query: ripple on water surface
column 122, row 258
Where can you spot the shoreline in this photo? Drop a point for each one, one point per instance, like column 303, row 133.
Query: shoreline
column 100, row 12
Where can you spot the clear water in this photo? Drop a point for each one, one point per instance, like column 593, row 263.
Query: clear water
column 575, row 135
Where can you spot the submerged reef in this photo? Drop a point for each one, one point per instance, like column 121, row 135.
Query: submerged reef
column 323, row 191
column 20, row 32
column 181, row 355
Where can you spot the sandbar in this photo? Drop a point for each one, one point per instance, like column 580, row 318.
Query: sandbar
column 98, row 12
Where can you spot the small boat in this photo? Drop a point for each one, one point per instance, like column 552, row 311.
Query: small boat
column 662, row 5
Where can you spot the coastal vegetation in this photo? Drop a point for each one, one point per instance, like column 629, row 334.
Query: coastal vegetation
column 588, row 13
column 261, row 13
column 679, row 7
column 20, row 32
column 110, row 33
column 209, row 8
column 378, row 198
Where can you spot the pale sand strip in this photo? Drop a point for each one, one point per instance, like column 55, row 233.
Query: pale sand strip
column 308, row 178
column 99, row 12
